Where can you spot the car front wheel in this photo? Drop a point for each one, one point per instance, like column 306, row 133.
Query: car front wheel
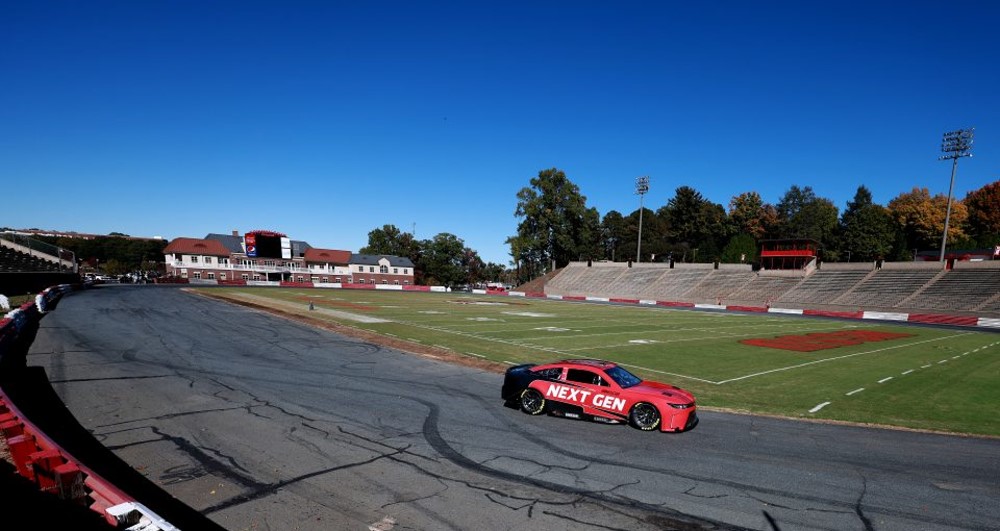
column 644, row 416
column 532, row 402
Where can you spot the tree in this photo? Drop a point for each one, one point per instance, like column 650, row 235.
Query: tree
column 748, row 215
column 613, row 233
column 804, row 215
column 742, row 248
column 983, row 223
column 694, row 223
column 391, row 241
column 867, row 230
column 445, row 260
column 921, row 218
column 590, row 235
column 553, row 224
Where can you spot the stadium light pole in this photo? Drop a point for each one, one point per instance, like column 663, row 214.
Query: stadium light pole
column 954, row 145
column 641, row 187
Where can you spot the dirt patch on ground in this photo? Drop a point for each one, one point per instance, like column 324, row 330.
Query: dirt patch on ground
column 426, row 351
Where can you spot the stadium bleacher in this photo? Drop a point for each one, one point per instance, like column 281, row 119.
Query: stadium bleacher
column 922, row 286
column 14, row 261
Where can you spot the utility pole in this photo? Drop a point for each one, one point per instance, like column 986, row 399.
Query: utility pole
column 641, row 187
column 954, row 145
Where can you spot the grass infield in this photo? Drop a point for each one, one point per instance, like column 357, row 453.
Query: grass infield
column 854, row 371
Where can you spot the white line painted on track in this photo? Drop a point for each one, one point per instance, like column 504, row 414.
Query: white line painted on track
column 883, row 380
column 819, row 407
column 509, row 362
column 856, row 391
column 907, row 372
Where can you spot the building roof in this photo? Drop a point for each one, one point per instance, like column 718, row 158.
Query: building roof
column 196, row 246
column 373, row 259
column 232, row 242
column 299, row 248
column 328, row 256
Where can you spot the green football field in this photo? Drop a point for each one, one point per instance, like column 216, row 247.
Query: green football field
column 856, row 371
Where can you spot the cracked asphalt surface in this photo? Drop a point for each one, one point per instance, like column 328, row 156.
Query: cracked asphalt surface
column 264, row 423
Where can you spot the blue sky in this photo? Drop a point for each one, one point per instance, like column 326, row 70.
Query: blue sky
column 325, row 120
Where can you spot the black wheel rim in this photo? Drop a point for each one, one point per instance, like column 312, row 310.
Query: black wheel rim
column 645, row 415
column 531, row 401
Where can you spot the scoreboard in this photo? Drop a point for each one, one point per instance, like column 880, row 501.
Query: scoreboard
column 267, row 244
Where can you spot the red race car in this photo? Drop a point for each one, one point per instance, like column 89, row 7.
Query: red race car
column 601, row 391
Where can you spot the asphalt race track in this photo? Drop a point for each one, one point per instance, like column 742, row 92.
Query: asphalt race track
column 263, row 423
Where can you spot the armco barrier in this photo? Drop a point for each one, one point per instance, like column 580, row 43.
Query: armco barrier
column 60, row 458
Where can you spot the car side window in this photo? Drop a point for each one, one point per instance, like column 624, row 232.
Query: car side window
column 551, row 374
column 584, row 376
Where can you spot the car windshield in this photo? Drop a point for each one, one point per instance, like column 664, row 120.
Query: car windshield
column 623, row 377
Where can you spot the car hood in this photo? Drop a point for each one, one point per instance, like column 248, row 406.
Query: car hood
column 673, row 394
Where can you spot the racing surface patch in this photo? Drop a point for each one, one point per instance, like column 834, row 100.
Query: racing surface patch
column 823, row 340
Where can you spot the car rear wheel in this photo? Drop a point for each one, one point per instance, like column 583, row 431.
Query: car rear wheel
column 532, row 402
column 644, row 416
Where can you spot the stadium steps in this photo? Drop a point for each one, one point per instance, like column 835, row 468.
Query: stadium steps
column 850, row 291
column 886, row 288
column 915, row 296
column 991, row 304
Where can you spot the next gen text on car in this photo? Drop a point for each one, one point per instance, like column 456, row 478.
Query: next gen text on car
column 601, row 391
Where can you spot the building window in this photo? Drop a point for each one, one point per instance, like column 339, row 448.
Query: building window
column 256, row 277
column 197, row 275
column 301, row 280
column 406, row 271
column 383, row 269
column 208, row 259
column 361, row 269
column 336, row 279
column 222, row 276
column 245, row 277
column 385, row 281
column 361, row 281
column 223, row 261
column 211, row 276
column 371, row 269
column 194, row 259
column 395, row 271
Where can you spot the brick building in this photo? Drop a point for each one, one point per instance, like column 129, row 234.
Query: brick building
column 224, row 258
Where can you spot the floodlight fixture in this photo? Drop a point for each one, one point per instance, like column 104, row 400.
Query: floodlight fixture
column 954, row 145
column 641, row 187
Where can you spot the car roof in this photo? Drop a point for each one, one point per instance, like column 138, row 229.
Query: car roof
column 589, row 363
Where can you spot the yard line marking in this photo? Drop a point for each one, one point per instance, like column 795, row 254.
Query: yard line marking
column 835, row 358
column 942, row 361
column 883, row 380
column 476, row 355
column 955, row 357
column 856, row 391
column 819, row 407
column 925, row 366
column 509, row 362
column 907, row 372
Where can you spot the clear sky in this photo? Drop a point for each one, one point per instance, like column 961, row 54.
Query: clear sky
column 325, row 120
